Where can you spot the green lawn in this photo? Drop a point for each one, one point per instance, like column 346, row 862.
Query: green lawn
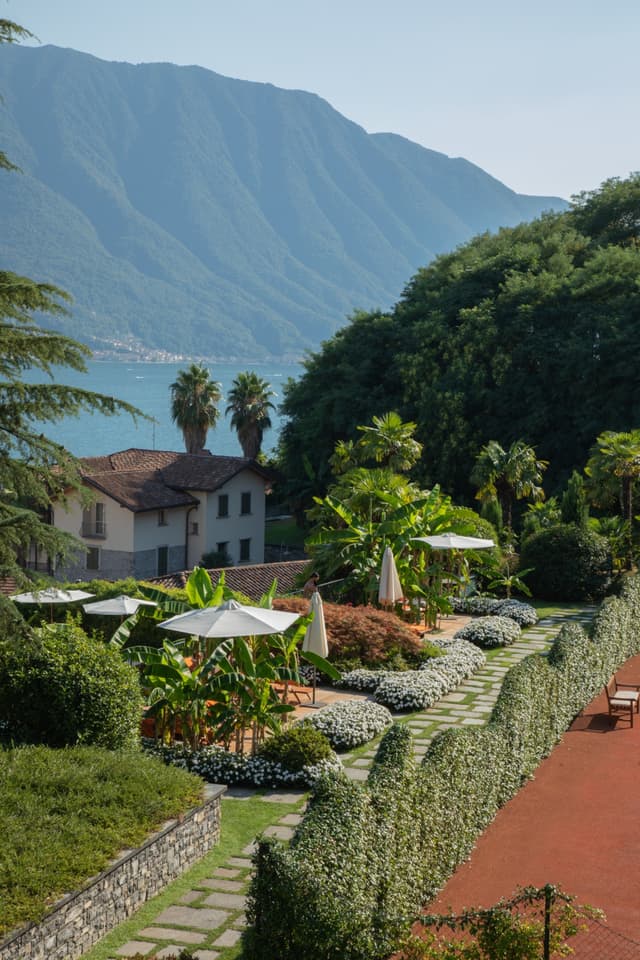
column 284, row 533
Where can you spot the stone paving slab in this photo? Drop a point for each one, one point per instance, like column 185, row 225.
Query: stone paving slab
column 166, row 933
column 201, row 954
column 291, row 819
column 228, row 939
column 190, row 896
column 201, row 919
column 356, row 773
column 282, row 833
column 284, row 796
column 229, row 872
column 243, row 862
column 132, row 947
column 220, row 883
column 230, row 901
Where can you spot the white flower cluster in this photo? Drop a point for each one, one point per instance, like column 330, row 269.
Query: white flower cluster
column 490, row 632
column 523, row 613
column 474, row 606
column 404, row 690
column 216, row 765
column 351, row 722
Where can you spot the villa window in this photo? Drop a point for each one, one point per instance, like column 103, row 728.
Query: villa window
column 223, row 505
column 222, row 546
column 162, row 518
column 93, row 521
column 245, row 550
column 195, row 529
column 163, row 561
column 245, row 503
column 93, row 558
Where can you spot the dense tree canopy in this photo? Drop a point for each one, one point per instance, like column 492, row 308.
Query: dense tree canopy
column 530, row 333
column 250, row 405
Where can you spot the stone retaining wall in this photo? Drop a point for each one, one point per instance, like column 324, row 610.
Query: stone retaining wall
column 81, row 919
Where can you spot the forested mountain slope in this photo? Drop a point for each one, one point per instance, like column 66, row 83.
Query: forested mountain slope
column 217, row 217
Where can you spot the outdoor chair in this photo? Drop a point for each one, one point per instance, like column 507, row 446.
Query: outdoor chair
column 622, row 698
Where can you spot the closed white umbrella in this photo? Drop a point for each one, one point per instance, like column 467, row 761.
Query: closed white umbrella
column 315, row 638
column 454, row 541
column 390, row 589
column 230, row 619
column 121, row 606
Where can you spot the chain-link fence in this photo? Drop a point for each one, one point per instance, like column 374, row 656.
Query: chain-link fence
column 600, row 942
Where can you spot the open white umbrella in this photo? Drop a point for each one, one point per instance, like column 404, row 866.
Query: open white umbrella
column 315, row 638
column 121, row 606
column 230, row 619
column 390, row 590
column 454, row 541
column 50, row 595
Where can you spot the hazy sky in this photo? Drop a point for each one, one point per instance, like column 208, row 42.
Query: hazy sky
column 542, row 95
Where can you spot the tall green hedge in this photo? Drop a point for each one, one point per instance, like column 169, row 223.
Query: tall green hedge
column 365, row 858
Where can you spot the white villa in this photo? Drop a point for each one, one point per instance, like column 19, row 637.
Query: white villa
column 157, row 511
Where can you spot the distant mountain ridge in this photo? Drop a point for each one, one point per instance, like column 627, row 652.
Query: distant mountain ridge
column 216, row 217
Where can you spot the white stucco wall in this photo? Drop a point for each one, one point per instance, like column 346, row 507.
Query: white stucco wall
column 118, row 523
column 237, row 527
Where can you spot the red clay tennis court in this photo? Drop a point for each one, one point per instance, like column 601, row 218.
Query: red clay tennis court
column 577, row 824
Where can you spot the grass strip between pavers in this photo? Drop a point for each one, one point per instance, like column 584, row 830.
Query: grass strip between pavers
column 242, row 820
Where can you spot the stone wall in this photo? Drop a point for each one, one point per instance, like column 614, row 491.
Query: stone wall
column 81, row 919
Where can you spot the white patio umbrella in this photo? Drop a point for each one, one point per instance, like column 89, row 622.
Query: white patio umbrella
column 121, row 606
column 50, row 595
column 390, row 589
column 230, row 619
column 454, row 541
column 315, row 638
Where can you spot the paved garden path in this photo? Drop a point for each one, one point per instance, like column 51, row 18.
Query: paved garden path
column 209, row 918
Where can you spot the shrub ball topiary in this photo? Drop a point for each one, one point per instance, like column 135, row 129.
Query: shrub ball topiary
column 297, row 747
column 489, row 632
column 523, row 613
column 66, row 688
column 569, row 563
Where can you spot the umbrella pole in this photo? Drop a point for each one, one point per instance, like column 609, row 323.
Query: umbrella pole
column 313, row 698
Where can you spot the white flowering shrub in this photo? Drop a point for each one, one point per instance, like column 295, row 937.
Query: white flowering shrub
column 216, row 765
column 523, row 613
column 351, row 722
column 474, row 606
column 406, row 690
column 490, row 632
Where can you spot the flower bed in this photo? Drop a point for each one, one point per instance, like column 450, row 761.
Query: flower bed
column 490, row 632
column 523, row 613
column 216, row 765
column 419, row 689
column 351, row 722
column 474, row 606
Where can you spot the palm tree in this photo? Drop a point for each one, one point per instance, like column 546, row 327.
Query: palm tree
column 615, row 464
column 390, row 442
column 194, row 405
column 510, row 474
column 249, row 406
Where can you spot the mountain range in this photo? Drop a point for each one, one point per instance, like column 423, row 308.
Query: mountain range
column 206, row 216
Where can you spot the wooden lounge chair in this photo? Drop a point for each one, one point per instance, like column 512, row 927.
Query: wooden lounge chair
column 295, row 692
column 622, row 698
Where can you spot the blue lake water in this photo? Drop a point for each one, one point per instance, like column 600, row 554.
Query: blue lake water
column 146, row 386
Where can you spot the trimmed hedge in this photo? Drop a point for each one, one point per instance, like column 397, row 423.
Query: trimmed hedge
column 349, row 723
column 64, row 688
column 567, row 563
column 365, row 859
column 496, row 631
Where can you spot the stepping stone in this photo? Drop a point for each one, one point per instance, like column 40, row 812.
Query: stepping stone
column 229, row 872
column 164, row 933
column 136, row 946
column 363, row 762
column 219, row 883
column 228, row 939
column 420, row 750
column 291, row 819
column 230, row 901
column 190, row 896
column 356, row 773
column 282, row 833
column 281, row 796
column 473, row 722
column 452, row 698
column 241, row 862
column 240, row 921
column 239, row 793
column 250, row 849
column 201, row 919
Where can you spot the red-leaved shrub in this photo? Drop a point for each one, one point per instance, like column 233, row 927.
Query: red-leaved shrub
column 359, row 633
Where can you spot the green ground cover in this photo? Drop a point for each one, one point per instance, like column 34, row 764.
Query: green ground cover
column 284, row 533
column 67, row 813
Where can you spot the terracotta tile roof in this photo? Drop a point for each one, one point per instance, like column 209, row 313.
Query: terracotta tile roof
column 140, row 490
column 8, row 585
column 252, row 579
column 153, row 479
